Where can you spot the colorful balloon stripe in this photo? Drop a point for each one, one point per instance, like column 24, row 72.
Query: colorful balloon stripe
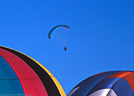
column 33, row 78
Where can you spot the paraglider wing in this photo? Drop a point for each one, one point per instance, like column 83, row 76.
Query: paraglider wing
column 54, row 28
column 112, row 83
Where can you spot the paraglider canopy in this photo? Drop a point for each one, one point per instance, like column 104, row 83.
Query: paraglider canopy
column 54, row 28
column 60, row 34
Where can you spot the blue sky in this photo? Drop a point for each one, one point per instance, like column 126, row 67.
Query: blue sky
column 101, row 36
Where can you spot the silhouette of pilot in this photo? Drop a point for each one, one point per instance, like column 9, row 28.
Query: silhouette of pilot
column 65, row 48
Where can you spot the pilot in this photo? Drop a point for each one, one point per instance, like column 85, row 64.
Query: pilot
column 65, row 48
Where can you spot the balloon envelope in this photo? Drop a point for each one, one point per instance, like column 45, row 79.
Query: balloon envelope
column 112, row 83
column 24, row 76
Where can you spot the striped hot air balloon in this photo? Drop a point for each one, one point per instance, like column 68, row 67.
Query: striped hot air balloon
column 112, row 83
column 20, row 75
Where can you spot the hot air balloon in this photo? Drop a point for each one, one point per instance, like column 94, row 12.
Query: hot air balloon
column 112, row 83
column 20, row 75
column 61, row 34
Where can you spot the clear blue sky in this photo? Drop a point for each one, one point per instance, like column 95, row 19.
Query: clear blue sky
column 101, row 37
